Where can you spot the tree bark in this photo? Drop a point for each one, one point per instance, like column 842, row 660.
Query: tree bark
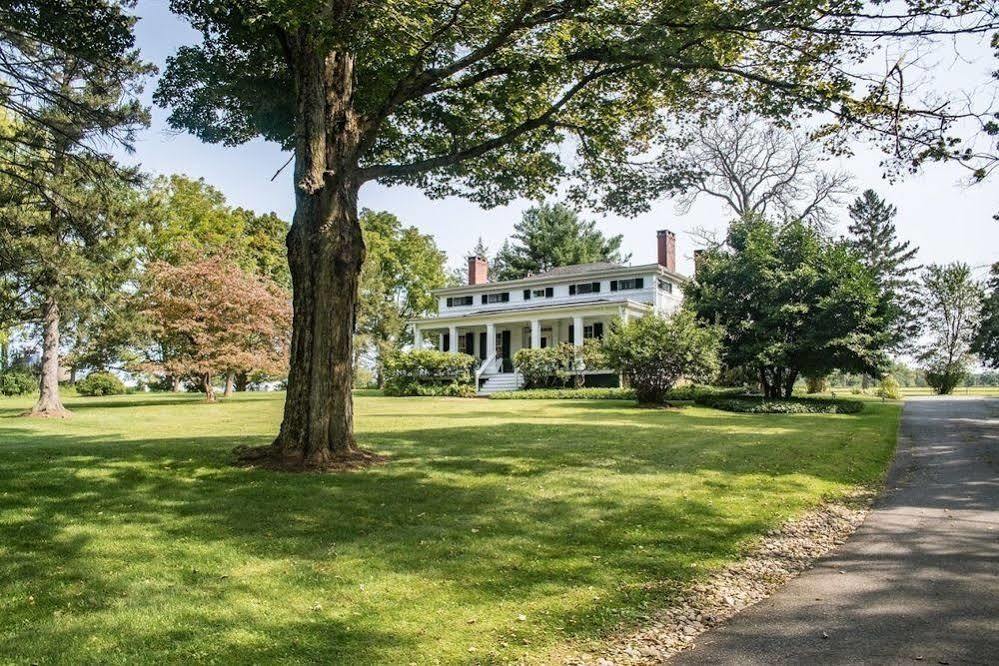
column 230, row 384
column 49, row 403
column 325, row 254
column 206, row 383
column 174, row 384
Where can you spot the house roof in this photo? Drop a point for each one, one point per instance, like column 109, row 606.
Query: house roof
column 561, row 271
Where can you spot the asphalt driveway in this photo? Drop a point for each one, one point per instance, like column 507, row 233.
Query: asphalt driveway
column 917, row 583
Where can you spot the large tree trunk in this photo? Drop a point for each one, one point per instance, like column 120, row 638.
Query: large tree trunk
column 49, row 404
column 325, row 253
column 230, row 384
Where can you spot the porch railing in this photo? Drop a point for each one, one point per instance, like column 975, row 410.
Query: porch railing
column 482, row 369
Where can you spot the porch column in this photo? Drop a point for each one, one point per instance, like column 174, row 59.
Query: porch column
column 577, row 331
column 490, row 340
column 417, row 337
column 535, row 334
column 452, row 335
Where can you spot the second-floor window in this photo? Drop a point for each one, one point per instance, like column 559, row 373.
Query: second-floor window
column 501, row 297
column 666, row 285
column 458, row 301
column 584, row 288
column 630, row 283
column 544, row 292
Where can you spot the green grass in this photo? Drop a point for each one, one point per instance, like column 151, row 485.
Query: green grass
column 127, row 537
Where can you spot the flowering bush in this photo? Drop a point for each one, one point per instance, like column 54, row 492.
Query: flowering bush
column 889, row 388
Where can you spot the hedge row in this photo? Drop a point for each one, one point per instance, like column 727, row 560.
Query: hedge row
column 566, row 394
column 680, row 393
column 757, row 405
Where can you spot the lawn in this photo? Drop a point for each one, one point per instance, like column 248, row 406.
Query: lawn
column 500, row 530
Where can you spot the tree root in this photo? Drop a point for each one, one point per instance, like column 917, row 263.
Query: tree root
column 272, row 458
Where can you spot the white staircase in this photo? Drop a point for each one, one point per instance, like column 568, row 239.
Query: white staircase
column 502, row 381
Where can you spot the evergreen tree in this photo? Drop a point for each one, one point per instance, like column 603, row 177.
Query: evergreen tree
column 986, row 343
column 552, row 235
column 891, row 263
column 66, row 204
column 792, row 302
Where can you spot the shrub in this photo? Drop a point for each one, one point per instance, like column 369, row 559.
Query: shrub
column 655, row 352
column 758, row 405
column 889, row 388
column 17, row 382
column 944, row 378
column 567, row 394
column 544, row 367
column 100, row 383
column 429, row 372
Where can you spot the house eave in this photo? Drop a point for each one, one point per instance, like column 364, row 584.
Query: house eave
column 507, row 285
column 525, row 314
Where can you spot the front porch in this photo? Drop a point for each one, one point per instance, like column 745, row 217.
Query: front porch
column 494, row 339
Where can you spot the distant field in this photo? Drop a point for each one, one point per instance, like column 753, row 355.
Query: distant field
column 964, row 390
column 499, row 532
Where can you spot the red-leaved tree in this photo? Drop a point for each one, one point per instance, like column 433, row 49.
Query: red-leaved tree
column 215, row 318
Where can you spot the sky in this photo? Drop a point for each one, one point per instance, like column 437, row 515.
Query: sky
column 937, row 212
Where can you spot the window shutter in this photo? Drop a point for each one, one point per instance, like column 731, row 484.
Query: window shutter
column 639, row 283
column 450, row 302
column 447, row 342
column 613, row 285
column 527, row 294
column 505, row 297
column 485, row 299
column 598, row 330
column 572, row 290
column 549, row 292
column 572, row 334
column 596, row 287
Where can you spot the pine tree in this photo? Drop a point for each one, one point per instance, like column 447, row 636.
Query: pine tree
column 65, row 202
column 552, row 235
column 892, row 264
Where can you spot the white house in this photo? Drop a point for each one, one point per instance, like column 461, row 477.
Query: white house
column 492, row 320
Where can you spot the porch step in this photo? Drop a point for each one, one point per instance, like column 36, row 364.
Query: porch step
column 503, row 381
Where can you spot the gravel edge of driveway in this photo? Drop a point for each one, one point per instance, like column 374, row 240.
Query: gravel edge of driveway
column 772, row 561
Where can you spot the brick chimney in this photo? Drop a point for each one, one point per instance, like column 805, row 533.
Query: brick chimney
column 666, row 242
column 478, row 270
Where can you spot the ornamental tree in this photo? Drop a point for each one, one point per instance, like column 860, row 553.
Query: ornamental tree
column 496, row 99
column 212, row 317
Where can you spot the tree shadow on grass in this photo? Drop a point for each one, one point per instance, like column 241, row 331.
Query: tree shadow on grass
column 523, row 514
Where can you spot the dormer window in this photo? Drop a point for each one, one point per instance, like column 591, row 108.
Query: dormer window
column 630, row 283
column 459, row 301
column 584, row 288
column 546, row 292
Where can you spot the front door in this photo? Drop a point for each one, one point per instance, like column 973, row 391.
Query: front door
column 504, row 346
